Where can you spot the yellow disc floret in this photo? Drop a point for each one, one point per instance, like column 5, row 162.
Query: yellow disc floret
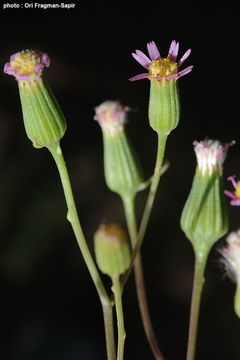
column 26, row 63
column 237, row 190
column 163, row 67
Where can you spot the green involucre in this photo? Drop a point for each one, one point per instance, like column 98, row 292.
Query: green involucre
column 164, row 105
column 43, row 119
column 204, row 218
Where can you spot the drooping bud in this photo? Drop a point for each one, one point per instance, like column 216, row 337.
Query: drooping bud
column 204, row 218
column 121, row 167
column 111, row 249
column 231, row 255
column 164, row 105
column 43, row 119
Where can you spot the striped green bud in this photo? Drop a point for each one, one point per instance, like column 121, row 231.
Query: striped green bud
column 204, row 218
column 43, row 119
column 121, row 168
column 111, row 249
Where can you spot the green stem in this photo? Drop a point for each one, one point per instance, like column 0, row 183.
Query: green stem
column 72, row 216
column 198, row 282
column 162, row 138
column 117, row 290
column 139, row 279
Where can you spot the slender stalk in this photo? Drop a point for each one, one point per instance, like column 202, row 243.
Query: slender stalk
column 162, row 138
column 158, row 171
column 198, row 282
column 72, row 216
column 117, row 290
column 139, row 279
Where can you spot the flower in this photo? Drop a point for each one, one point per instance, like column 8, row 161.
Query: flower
column 161, row 68
column 27, row 63
column 235, row 196
column 231, row 255
column 111, row 116
column 210, row 154
column 231, row 260
column 43, row 119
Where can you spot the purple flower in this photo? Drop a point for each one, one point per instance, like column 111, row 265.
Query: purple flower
column 27, row 63
column 235, row 195
column 161, row 68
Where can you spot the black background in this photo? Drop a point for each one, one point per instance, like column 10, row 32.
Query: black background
column 49, row 307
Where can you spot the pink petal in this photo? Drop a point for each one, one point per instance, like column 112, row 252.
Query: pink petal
column 142, row 58
column 184, row 57
column 233, row 181
column 173, row 50
column 235, row 202
column 153, row 51
column 185, row 71
column 230, row 194
column 139, row 77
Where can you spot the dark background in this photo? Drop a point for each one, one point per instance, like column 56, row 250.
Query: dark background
column 48, row 305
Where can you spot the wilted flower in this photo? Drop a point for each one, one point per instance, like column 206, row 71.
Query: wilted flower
column 111, row 116
column 161, row 68
column 210, row 155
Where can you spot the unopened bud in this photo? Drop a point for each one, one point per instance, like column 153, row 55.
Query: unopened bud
column 111, row 249
column 204, row 218
column 121, row 168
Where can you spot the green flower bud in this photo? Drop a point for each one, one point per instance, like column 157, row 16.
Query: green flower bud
column 121, row 168
column 164, row 106
column 231, row 256
column 43, row 119
column 111, row 250
column 204, row 218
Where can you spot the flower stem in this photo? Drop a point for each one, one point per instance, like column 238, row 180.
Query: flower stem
column 72, row 216
column 117, row 290
column 162, row 138
column 198, row 282
column 139, row 279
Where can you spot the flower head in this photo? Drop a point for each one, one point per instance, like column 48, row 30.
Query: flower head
column 43, row 118
column 235, row 195
column 231, row 255
column 27, row 63
column 111, row 116
column 210, row 154
column 161, row 68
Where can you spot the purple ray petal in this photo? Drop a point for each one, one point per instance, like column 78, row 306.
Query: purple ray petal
column 184, row 57
column 139, row 77
column 230, row 194
column 153, row 51
column 233, row 181
column 235, row 202
column 142, row 59
column 185, row 71
column 173, row 50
